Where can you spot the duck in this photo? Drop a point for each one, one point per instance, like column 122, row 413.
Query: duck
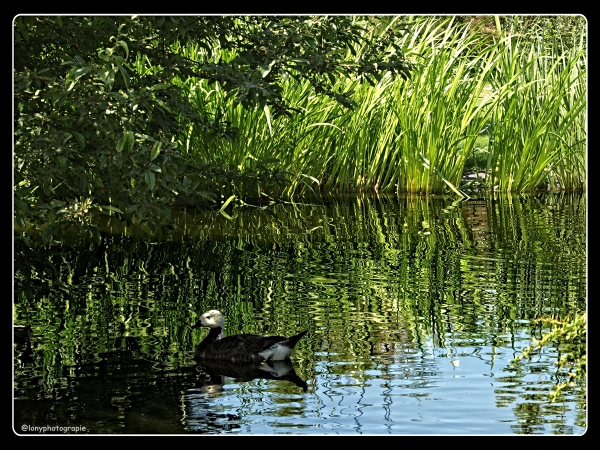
column 241, row 348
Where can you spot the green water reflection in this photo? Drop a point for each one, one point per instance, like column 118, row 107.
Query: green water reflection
column 415, row 308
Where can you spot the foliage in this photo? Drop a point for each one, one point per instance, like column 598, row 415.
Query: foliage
column 540, row 117
column 395, row 140
column 129, row 116
column 568, row 31
column 444, row 107
column 419, row 134
column 570, row 336
column 98, row 105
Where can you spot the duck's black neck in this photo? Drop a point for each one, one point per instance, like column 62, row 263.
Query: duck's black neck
column 213, row 335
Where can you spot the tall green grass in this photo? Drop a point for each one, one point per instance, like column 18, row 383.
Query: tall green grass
column 416, row 135
column 442, row 109
column 538, row 137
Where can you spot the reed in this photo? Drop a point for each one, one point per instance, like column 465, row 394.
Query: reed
column 415, row 135
column 538, row 137
column 443, row 109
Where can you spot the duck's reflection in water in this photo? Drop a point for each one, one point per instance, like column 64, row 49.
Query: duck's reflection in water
column 213, row 374
column 204, row 415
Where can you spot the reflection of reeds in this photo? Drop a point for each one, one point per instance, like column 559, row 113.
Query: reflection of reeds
column 363, row 274
column 476, row 219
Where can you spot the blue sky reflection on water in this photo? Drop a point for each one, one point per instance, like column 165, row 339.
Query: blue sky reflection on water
column 443, row 392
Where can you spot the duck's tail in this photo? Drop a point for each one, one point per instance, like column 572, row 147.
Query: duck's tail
column 293, row 340
column 282, row 349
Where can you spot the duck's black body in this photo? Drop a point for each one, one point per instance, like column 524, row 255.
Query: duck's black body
column 241, row 347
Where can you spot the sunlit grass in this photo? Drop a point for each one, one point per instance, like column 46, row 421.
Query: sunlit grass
column 538, row 137
column 471, row 104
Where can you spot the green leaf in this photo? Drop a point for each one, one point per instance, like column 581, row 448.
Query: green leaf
column 20, row 221
column 59, row 98
column 119, row 60
column 81, row 72
column 227, row 202
column 21, row 204
column 150, row 179
column 166, row 211
column 331, row 78
column 300, row 61
column 47, row 234
column 266, row 68
column 121, row 143
column 107, row 76
column 79, row 138
column 126, row 142
column 95, row 234
column 311, row 177
column 129, row 141
column 103, row 55
column 75, row 74
column 124, row 45
column 155, row 151
column 111, row 208
column 125, row 76
column 151, row 225
column 159, row 86
column 224, row 214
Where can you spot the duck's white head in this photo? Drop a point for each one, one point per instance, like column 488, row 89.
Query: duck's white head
column 211, row 319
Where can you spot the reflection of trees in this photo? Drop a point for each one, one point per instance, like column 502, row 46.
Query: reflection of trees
column 119, row 391
column 409, row 255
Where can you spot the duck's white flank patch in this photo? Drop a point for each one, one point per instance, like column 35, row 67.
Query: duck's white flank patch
column 277, row 352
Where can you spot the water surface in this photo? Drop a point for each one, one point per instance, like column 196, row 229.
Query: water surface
column 415, row 308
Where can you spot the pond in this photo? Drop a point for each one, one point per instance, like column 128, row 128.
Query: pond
column 414, row 306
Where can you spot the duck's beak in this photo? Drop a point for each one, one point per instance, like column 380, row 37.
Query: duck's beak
column 197, row 325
